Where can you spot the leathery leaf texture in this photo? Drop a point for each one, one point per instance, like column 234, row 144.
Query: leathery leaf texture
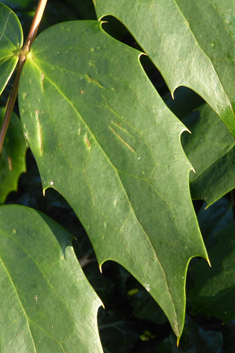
column 11, row 40
column 191, row 43
column 47, row 304
column 103, row 138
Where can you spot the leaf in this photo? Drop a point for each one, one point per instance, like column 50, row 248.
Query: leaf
column 229, row 336
column 12, row 158
column 214, row 290
column 213, row 219
column 11, row 40
column 211, row 150
column 47, row 304
column 118, row 334
column 194, row 339
column 16, row 4
column 170, row 33
column 114, row 154
column 143, row 306
column 84, row 8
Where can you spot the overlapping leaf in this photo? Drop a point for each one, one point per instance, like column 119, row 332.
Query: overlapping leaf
column 191, row 43
column 11, row 40
column 12, row 158
column 214, row 290
column 211, row 150
column 194, row 339
column 104, row 139
column 47, row 304
column 209, row 147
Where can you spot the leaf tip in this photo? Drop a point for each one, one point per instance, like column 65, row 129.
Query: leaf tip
column 100, row 268
column 208, row 260
column 178, row 342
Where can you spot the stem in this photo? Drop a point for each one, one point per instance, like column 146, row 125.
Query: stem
column 22, row 58
column 34, row 26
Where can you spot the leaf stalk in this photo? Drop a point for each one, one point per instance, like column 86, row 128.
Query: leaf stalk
column 22, row 58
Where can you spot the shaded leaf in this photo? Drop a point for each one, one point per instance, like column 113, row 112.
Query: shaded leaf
column 85, row 8
column 183, row 53
column 12, row 158
column 229, row 337
column 194, row 339
column 211, row 150
column 143, row 305
column 16, row 4
column 213, row 219
column 47, row 304
column 209, row 147
column 11, row 40
column 114, row 154
column 118, row 334
column 214, row 290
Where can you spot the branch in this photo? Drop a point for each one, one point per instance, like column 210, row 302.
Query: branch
column 22, row 58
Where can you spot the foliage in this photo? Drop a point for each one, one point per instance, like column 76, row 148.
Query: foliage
column 111, row 152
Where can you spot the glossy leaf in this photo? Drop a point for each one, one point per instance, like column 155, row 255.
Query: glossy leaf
column 11, row 40
column 114, row 153
column 170, row 33
column 47, row 304
column 12, row 158
column 214, row 290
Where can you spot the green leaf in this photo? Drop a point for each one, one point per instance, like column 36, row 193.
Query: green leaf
column 143, row 306
column 11, row 40
column 213, row 219
column 214, row 290
column 114, row 153
column 229, row 336
column 118, row 334
column 211, row 150
column 12, row 158
column 170, row 33
column 47, row 304
column 18, row 4
column 194, row 339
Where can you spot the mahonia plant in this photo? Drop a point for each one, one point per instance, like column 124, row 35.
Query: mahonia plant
column 105, row 140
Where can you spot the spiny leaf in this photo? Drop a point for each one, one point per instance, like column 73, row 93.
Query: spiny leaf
column 104, row 139
column 47, row 304
column 188, row 41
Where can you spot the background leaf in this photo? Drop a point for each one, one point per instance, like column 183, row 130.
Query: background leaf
column 213, row 293
column 11, row 40
column 120, row 166
column 12, row 158
column 211, row 151
column 183, row 53
column 194, row 339
column 47, row 304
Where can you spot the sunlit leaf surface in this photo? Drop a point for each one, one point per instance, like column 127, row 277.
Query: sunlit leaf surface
column 104, row 139
column 11, row 40
column 190, row 42
column 47, row 304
